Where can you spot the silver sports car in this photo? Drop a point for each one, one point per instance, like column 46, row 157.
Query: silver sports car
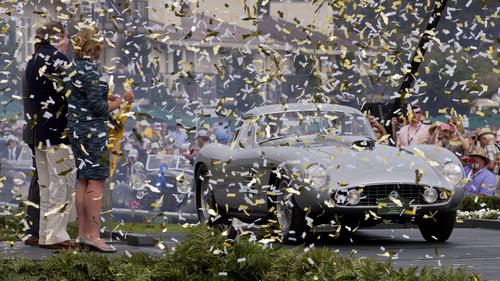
column 297, row 166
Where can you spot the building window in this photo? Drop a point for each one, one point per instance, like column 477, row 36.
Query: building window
column 141, row 8
column 27, row 29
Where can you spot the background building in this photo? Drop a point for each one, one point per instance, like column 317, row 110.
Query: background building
column 246, row 53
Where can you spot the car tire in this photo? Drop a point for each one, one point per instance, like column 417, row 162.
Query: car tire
column 291, row 219
column 219, row 221
column 438, row 228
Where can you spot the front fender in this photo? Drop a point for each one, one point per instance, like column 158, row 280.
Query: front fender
column 436, row 153
column 442, row 156
column 214, row 151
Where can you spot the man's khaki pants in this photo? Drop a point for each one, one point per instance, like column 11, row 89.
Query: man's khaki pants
column 56, row 177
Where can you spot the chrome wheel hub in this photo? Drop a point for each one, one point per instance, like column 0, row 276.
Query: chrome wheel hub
column 284, row 213
column 206, row 200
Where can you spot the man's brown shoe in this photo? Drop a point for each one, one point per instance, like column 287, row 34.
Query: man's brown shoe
column 32, row 241
column 68, row 244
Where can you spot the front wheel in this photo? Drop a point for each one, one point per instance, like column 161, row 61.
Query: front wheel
column 207, row 207
column 437, row 228
column 291, row 219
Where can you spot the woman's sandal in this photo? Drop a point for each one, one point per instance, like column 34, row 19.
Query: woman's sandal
column 88, row 245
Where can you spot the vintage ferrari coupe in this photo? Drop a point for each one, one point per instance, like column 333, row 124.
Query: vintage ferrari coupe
column 298, row 166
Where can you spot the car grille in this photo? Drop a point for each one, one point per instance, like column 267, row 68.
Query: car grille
column 371, row 194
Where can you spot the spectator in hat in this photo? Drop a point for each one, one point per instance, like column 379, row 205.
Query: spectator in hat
column 133, row 155
column 179, row 135
column 122, row 170
column 13, row 148
column 155, row 148
column 416, row 132
column 202, row 138
column 496, row 172
column 481, row 181
column 163, row 129
column 222, row 131
column 141, row 126
column 146, row 145
column 447, row 135
column 151, row 132
column 486, row 142
column 169, row 149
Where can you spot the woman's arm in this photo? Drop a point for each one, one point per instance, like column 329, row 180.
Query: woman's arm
column 394, row 133
column 381, row 128
column 434, row 137
column 463, row 140
column 94, row 91
column 114, row 104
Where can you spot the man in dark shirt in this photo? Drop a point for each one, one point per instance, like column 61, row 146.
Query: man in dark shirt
column 46, row 73
column 33, row 212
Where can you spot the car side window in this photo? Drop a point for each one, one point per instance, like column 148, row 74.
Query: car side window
column 249, row 135
column 242, row 135
column 245, row 136
column 238, row 129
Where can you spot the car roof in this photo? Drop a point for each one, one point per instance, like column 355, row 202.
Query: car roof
column 291, row 107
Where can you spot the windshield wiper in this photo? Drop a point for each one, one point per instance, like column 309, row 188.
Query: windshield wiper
column 272, row 139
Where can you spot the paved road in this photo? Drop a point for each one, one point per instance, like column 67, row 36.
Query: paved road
column 477, row 249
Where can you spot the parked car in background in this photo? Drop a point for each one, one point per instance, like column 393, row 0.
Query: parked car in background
column 302, row 165
column 15, row 175
column 162, row 184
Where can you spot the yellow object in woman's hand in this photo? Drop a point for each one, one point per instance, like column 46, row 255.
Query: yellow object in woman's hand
column 129, row 97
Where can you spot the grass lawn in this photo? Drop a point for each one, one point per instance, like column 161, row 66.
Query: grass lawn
column 11, row 229
column 148, row 227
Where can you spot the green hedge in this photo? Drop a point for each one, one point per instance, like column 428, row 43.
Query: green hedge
column 490, row 202
column 202, row 256
column 11, row 227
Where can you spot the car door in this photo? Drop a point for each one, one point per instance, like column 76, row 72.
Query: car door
column 246, row 172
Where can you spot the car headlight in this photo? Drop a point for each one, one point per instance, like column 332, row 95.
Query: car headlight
column 430, row 195
column 19, row 178
column 184, row 186
column 140, row 194
column 353, row 197
column 138, row 181
column 453, row 173
column 315, row 175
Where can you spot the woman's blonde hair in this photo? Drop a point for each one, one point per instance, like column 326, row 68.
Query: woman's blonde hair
column 87, row 43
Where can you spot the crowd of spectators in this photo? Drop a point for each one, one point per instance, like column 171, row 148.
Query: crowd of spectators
column 155, row 138
column 146, row 138
column 478, row 149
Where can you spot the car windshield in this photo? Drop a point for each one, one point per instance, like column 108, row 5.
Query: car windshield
column 311, row 123
column 172, row 161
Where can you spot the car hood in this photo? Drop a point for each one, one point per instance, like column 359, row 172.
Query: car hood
column 348, row 166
